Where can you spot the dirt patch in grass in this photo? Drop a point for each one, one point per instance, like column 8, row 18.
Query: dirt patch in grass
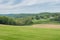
column 46, row 26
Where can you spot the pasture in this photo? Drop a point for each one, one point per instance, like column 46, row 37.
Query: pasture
column 8, row 32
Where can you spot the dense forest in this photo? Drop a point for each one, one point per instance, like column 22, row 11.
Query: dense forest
column 29, row 19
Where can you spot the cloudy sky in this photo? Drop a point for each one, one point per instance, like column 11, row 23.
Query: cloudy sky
column 29, row 6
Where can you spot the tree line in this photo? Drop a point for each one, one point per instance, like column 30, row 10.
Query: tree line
column 31, row 19
column 15, row 21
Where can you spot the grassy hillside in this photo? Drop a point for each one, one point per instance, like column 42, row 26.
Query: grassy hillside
column 28, row 33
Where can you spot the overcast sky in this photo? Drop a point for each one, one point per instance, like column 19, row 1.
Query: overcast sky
column 29, row 6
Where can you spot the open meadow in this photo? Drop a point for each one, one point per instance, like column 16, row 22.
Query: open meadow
column 29, row 19
column 9, row 32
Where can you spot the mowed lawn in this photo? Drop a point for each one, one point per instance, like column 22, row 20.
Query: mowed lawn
column 28, row 33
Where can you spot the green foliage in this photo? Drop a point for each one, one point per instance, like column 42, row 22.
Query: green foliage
column 37, row 17
column 47, row 18
column 41, row 21
column 27, row 19
column 13, row 21
column 6, row 20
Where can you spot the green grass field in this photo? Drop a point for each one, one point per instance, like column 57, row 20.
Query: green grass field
column 28, row 33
